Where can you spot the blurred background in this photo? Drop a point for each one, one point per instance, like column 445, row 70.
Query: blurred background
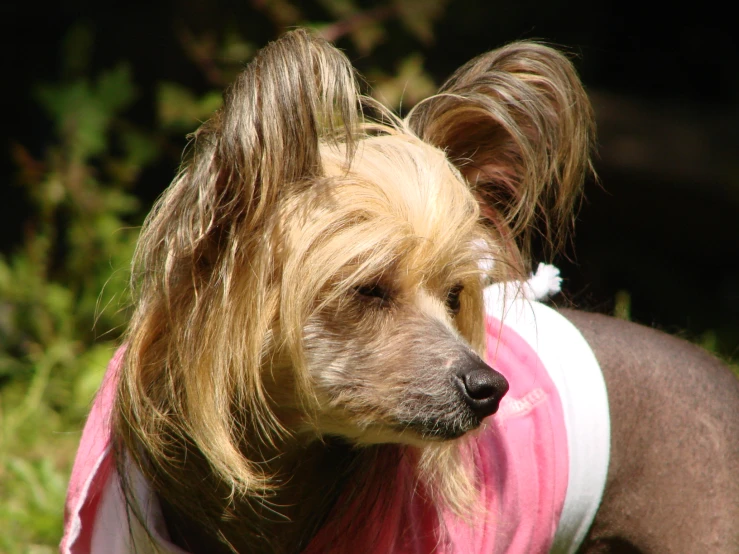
column 99, row 98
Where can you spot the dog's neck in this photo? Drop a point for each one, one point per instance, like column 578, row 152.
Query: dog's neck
column 314, row 485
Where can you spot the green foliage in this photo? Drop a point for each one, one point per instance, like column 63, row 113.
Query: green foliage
column 83, row 110
column 180, row 110
column 63, row 293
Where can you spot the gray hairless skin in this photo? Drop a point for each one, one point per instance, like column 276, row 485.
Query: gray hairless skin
column 673, row 478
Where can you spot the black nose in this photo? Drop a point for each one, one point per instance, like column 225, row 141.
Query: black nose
column 482, row 388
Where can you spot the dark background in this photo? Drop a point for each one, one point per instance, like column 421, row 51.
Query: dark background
column 662, row 225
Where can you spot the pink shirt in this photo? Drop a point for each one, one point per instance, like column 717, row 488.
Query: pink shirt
column 521, row 456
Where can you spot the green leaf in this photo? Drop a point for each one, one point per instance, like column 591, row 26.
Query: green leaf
column 235, row 48
column 179, row 109
column 115, row 90
column 340, row 8
column 367, row 37
column 418, row 16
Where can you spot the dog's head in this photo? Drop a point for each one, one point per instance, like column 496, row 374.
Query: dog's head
column 380, row 303
column 310, row 272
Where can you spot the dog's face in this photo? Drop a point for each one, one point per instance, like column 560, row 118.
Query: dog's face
column 389, row 253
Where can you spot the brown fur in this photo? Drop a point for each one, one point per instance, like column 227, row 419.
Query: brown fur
column 309, row 283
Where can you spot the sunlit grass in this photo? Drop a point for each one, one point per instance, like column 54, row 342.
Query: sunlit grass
column 38, row 440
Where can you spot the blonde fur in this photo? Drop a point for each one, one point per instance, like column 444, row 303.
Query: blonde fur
column 252, row 342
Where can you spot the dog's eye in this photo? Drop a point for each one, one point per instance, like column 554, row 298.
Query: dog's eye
column 452, row 298
column 372, row 291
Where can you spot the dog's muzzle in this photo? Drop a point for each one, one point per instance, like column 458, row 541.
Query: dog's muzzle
column 482, row 387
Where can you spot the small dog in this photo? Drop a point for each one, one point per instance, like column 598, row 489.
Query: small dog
column 316, row 358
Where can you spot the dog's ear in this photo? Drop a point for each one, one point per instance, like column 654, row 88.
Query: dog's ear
column 519, row 126
column 298, row 90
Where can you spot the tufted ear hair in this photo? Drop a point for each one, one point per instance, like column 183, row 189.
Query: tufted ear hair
column 519, row 126
column 297, row 91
